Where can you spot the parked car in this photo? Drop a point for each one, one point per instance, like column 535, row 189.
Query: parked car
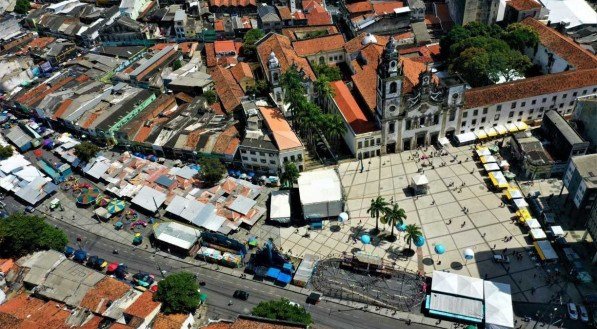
column 584, row 315
column 501, row 259
column 241, row 294
column 29, row 209
column 313, row 298
column 572, row 311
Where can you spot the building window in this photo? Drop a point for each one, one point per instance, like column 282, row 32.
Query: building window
column 511, row 114
column 285, row 159
column 253, row 153
column 533, row 102
column 523, row 104
column 452, row 115
column 475, row 112
column 474, row 122
column 594, row 90
column 421, row 121
column 263, row 161
column 436, row 119
column 366, row 143
column 245, row 158
column 498, row 108
column 272, row 162
column 483, row 120
column 292, row 158
column 463, row 123
column 378, row 141
column 391, row 128
column 408, row 124
column 465, row 114
column 392, row 108
column 484, row 110
column 531, row 111
column 513, row 105
column 496, row 117
column 554, row 98
column 520, row 113
column 571, row 103
column 393, row 87
column 544, row 100
column 360, row 145
column 584, row 92
column 262, row 154
column 254, row 159
column 561, row 105
column 565, row 95
column 574, row 94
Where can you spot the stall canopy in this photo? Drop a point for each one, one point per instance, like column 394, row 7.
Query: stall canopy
column 523, row 215
column 521, row 126
column 533, row 223
column 491, row 132
column 511, row 127
column 501, row 129
column 483, row 152
column 443, row 141
column 513, row 193
column 420, row 180
column 149, row 199
column 488, row 159
column 498, row 180
column 466, row 138
column 545, row 250
column 491, row 167
column 520, row 203
column 557, row 230
column 499, row 313
column 481, row 134
column 538, row 234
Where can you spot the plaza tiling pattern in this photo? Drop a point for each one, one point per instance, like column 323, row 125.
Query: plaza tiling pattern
column 442, row 219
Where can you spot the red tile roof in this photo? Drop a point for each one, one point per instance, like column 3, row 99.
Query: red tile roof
column 359, row 7
column 224, row 46
column 286, row 55
column 355, row 44
column 36, row 44
column 350, row 110
column 103, row 293
column 143, row 306
column 186, row 48
column 170, row 321
column 386, row 7
column 523, row 5
column 563, row 46
column 219, row 25
column 318, row 18
column 62, row 108
column 284, row 13
column 5, row 265
column 232, row 3
column 227, row 142
column 323, row 44
column 228, row 90
column 536, row 86
column 27, row 312
column 241, row 71
column 283, row 135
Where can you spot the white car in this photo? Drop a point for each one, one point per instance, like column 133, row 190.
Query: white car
column 572, row 312
column 584, row 316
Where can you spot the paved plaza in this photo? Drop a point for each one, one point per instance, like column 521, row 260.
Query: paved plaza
column 442, row 219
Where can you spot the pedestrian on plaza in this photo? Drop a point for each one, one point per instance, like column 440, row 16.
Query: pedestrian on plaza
column 484, row 234
column 463, row 223
column 449, row 221
column 494, row 245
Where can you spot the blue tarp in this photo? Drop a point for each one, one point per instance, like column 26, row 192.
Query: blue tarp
column 80, row 255
column 284, row 278
column 69, row 251
column 50, row 187
column 164, row 181
column 288, row 268
column 273, row 273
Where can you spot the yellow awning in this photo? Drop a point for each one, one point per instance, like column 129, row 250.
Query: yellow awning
column 480, row 134
column 487, row 159
column 481, row 147
column 511, row 127
column 491, row 132
column 523, row 215
column 501, row 129
column 521, row 126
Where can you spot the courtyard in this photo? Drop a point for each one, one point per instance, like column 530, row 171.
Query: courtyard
column 458, row 184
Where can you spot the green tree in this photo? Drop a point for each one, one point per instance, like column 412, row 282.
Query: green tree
column 22, row 234
column 212, row 170
column 6, row 152
column 283, row 310
column 333, row 127
column 86, row 151
column 332, row 73
column 290, row 174
column 179, row 293
column 323, row 88
column 376, row 209
column 508, row 65
column 412, row 232
column 473, row 65
column 210, row 96
column 176, row 65
column 519, row 36
column 22, row 7
column 394, row 215
column 251, row 37
column 260, row 89
column 456, row 34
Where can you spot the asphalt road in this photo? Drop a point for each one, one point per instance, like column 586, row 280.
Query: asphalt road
column 219, row 287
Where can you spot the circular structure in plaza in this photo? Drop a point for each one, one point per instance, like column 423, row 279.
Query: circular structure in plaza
column 369, row 279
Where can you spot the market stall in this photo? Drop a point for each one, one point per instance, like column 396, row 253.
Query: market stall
column 466, row 138
column 538, row 234
column 557, row 231
column 102, row 213
column 419, row 184
column 523, row 215
column 483, row 151
column 498, row 180
column 533, row 223
column 488, row 159
column 545, row 251
column 513, row 193
column 491, row 167
column 520, row 203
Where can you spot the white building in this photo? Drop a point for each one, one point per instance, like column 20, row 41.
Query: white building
column 132, row 8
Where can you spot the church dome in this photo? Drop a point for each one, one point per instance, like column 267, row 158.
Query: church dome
column 369, row 38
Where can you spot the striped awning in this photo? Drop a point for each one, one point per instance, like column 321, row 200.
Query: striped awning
column 501, row 129
column 511, row 127
column 521, row 126
column 491, row 132
column 480, row 134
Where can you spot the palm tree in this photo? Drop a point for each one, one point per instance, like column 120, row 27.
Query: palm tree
column 377, row 208
column 290, row 174
column 323, row 88
column 334, row 127
column 394, row 216
column 412, row 232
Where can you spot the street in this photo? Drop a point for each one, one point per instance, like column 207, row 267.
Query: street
column 219, row 287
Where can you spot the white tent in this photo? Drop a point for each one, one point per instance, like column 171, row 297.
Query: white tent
column 483, row 152
column 279, row 210
column 457, row 285
column 491, row 166
column 466, row 138
column 498, row 305
column 321, row 193
column 557, row 230
column 149, row 199
column 538, row 234
column 443, row 141
column 420, row 180
column 533, row 223
column 520, row 203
